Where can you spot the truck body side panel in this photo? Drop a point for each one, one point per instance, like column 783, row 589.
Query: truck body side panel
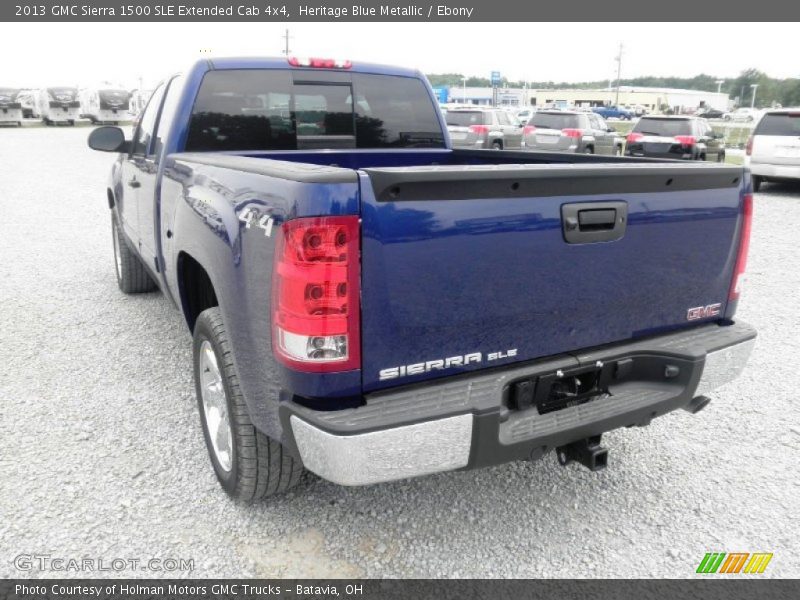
column 201, row 206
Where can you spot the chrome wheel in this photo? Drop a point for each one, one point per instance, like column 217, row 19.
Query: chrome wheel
column 215, row 407
column 117, row 253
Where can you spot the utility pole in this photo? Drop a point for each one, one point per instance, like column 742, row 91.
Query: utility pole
column 464, row 90
column 755, row 89
column 619, row 72
column 286, row 37
column 719, row 85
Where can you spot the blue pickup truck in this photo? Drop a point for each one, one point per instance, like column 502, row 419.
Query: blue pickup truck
column 613, row 112
column 369, row 304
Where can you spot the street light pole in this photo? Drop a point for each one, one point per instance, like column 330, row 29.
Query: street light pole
column 719, row 85
column 464, row 90
column 755, row 89
column 619, row 71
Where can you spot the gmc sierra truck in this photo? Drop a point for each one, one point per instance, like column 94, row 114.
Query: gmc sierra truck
column 369, row 304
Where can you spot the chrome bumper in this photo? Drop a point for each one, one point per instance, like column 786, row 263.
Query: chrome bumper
column 386, row 455
column 723, row 366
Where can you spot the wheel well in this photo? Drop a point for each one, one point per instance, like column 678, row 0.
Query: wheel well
column 196, row 290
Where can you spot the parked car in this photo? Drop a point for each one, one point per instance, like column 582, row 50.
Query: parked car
column 741, row 115
column 370, row 304
column 491, row 128
column 680, row 137
column 773, row 151
column 613, row 112
column 710, row 113
column 571, row 131
column 524, row 115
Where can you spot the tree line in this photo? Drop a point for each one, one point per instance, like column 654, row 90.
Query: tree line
column 770, row 91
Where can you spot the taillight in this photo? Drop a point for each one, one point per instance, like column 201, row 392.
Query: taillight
column 744, row 246
column 572, row 133
column 320, row 63
column 316, row 291
column 528, row 129
column 479, row 129
column 634, row 137
column 748, row 147
column 685, row 140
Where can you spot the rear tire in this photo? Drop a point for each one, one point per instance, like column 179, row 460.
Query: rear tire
column 617, row 150
column 132, row 277
column 497, row 145
column 248, row 464
column 757, row 181
column 588, row 150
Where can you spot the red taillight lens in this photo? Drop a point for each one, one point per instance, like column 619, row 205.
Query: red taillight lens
column 480, row 129
column 528, row 129
column 320, row 63
column 634, row 137
column 572, row 133
column 748, row 147
column 744, row 246
column 316, row 291
column 685, row 140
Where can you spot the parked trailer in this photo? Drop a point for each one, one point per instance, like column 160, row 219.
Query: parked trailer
column 105, row 104
column 59, row 105
column 29, row 99
column 10, row 108
column 138, row 101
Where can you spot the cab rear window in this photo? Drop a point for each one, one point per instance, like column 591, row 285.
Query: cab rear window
column 779, row 124
column 663, row 127
column 263, row 109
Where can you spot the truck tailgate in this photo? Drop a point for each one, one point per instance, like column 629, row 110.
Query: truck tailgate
column 469, row 267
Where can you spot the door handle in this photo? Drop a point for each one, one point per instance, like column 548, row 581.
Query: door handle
column 590, row 222
column 133, row 183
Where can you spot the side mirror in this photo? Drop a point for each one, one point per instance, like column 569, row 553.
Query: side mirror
column 108, row 139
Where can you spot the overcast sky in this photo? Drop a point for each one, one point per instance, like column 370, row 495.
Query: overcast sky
column 44, row 54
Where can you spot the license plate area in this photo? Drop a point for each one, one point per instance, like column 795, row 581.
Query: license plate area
column 562, row 389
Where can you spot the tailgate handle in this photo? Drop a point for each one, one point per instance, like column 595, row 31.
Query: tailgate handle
column 590, row 222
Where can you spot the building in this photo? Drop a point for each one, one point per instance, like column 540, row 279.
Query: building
column 652, row 99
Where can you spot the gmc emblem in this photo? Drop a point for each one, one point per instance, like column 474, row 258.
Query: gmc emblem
column 703, row 312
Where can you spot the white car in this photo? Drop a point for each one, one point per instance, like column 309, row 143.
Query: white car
column 773, row 151
column 741, row 115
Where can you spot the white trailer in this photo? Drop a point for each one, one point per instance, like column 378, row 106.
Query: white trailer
column 59, row 105
column 29, row 99
column 105, row 103
column 10, row 108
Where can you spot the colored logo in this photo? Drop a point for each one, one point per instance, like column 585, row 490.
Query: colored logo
column 734, row 562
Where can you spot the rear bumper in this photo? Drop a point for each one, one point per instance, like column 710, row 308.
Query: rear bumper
column 471, row 421
column 777, row 171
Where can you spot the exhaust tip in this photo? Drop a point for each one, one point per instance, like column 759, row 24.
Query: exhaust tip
column 697, row 404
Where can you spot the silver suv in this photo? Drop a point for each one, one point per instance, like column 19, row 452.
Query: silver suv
column 773, row 151
column 571, row 131
column 483, row 128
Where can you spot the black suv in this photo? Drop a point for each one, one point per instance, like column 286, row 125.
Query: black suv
column 687, row 138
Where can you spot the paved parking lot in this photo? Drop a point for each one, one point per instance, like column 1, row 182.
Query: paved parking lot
column 102, row 454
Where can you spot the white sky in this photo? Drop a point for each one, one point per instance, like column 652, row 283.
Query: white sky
column 44, row 54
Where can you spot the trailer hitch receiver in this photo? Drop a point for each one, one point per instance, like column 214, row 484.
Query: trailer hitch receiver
column 587, row 452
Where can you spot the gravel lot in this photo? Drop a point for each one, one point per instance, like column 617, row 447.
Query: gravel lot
column 102, row 454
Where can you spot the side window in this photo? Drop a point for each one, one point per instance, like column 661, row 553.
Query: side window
column 168, row 113
column 147, row 123
column 600, row 123
column 502, row 118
